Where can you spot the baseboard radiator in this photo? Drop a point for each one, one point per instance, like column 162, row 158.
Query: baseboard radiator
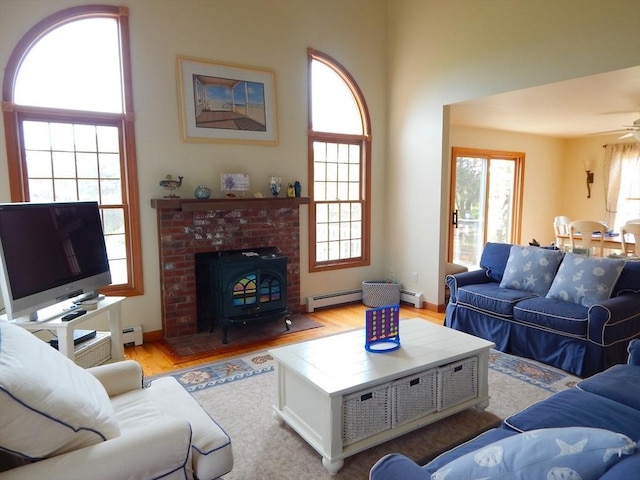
column 349, row 296
column 411, row 297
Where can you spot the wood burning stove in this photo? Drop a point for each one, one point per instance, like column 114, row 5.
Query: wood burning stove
column 240, row 286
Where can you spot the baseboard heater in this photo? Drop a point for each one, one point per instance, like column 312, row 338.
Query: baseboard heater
column 355, row 295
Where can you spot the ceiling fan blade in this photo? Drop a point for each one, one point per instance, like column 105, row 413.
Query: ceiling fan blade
column 626, row 135
column 608, row 132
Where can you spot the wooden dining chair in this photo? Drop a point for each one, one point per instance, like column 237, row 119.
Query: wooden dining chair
column 561, row 227
column 586, row 228
column 632, row 229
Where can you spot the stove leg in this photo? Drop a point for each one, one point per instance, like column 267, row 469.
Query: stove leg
column 287, row 321
column 225, row 330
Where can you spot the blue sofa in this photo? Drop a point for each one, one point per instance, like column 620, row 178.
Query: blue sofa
column 602, row 407
column 533, row 302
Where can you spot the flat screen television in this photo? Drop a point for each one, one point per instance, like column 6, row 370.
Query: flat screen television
column 49, row 253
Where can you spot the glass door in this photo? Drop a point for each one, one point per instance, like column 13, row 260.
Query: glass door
column 485, row 202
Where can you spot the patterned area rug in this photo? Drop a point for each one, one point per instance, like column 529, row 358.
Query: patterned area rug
column 238, row 393
column 534, row 373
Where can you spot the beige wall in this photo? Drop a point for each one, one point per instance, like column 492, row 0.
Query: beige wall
column 574, row 195
column 265, row 33
column 543, row 169
column 443, row 52
column 410, row 57
column 555, row 179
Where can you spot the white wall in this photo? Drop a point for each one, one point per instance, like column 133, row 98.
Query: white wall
column 264, row 33
column 443, row 52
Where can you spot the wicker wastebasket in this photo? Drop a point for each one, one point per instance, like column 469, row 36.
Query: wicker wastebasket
column 380, row 293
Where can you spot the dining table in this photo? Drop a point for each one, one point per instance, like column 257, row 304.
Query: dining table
column 612, row 242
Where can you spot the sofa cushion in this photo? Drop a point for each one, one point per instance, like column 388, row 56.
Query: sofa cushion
column 585, row 280
column 629, row 280
column 620, row 383
column 482, row 440
column 572, row 452
column 491, row 298
column 212, row 451
column 531, row 269
column 553, row 315
column 48, row 404
column 494, row 259
column 627, row 469
column 577, row 408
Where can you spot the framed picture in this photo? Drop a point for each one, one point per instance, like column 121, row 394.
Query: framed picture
column 234, row 182
column 226, row 103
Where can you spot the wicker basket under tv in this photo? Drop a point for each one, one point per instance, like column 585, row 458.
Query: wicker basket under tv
column 95, row 351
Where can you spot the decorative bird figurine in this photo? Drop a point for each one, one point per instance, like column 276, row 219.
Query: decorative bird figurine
column 170, row 184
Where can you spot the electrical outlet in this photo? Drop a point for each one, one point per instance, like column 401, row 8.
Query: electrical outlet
column 415, row 277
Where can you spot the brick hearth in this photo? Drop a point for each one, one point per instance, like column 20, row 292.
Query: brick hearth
column 187, row 227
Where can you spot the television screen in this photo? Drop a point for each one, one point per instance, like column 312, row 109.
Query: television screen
column 50, row 252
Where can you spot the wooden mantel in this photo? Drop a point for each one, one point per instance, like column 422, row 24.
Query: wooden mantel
column 229, row 203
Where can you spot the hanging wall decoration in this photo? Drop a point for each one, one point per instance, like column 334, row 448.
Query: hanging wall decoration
column 226, row 103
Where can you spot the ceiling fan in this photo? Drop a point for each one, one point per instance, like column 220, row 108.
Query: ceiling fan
column 632, row 130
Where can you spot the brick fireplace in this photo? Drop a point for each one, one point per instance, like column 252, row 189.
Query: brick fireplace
column 187, row 227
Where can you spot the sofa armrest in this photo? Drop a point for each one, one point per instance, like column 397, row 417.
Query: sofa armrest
column 150, row 452
column 614, row 320
column 398, row 466
column 634, row 352
column 119, row 377
column 458, row 280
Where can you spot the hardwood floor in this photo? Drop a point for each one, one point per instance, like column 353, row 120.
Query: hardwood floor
column 154, row 359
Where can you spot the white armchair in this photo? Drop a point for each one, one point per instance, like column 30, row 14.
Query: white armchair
column 58, row 420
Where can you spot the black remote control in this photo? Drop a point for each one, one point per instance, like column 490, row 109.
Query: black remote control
column 73, row 315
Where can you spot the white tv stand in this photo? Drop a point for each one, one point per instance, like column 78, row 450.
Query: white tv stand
column 51, row 319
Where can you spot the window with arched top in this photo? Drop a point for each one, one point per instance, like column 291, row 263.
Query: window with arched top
column 68, row 118
column 339, row 167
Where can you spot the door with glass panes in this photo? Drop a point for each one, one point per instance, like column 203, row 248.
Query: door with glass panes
column 485, row 202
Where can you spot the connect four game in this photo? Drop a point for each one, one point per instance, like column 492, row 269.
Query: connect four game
column 382, row 329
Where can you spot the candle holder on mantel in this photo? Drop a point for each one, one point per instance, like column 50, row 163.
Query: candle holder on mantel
column 275, row 185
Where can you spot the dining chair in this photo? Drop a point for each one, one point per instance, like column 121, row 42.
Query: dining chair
column 561, row 227
column 632, row 229
column 586, row 229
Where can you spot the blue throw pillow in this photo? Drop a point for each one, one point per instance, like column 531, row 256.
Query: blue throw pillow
column 531, row 269
column 585, row 280
column 553, row 453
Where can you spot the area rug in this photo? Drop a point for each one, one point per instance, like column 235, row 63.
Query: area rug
column 191, row 347
column 238, row 393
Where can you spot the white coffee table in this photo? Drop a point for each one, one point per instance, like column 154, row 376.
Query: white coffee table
column 342, row 399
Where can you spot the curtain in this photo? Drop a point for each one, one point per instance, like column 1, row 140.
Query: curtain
column 621, row 174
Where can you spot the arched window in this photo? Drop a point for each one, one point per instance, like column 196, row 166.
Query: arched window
column 339, row 167
column 68, row 118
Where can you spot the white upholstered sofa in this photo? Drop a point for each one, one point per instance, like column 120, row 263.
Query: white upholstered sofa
column 59, row 421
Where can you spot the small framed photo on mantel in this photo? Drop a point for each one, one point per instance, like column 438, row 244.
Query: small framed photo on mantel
column 233, row 183
column 226, row 103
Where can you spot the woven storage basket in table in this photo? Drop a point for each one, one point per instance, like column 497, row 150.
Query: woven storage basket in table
column 365, row 413
column 457, row 382
column 95, row 351
column 414, row 396
column 380, row 294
